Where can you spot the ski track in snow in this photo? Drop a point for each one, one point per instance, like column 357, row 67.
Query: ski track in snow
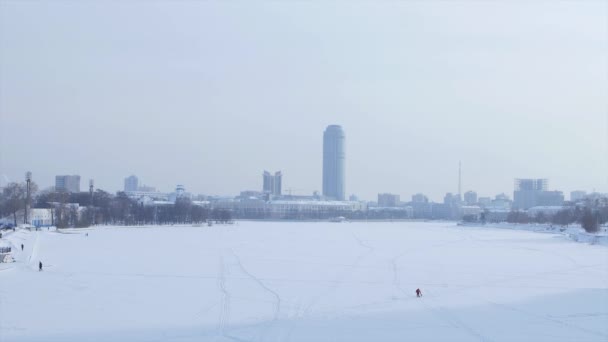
column 439, row 312
column 454, row 321
column 224, row 318
column 276, row 297
column 307, row 311
column 545, row 317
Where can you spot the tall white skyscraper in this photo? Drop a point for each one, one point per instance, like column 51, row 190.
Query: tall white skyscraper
column 333, row 162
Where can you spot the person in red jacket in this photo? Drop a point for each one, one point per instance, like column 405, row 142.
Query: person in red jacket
column 418, row 293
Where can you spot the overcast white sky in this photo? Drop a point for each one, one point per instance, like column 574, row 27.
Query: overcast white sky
column 209, row 94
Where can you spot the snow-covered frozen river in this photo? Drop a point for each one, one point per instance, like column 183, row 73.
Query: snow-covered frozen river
column 279, row 281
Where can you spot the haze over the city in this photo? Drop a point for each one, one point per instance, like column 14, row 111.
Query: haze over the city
column 210, row 94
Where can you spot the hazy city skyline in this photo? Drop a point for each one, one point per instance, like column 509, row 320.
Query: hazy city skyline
column 210, row 94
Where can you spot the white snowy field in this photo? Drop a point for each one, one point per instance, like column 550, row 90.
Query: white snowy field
column 277, row 281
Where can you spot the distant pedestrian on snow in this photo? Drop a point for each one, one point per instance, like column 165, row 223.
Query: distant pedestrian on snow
column 39, row 266
column 86, row 234
column 418, row 293
column 21, row 246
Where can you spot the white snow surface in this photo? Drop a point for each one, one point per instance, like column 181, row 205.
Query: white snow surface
column 283, row 281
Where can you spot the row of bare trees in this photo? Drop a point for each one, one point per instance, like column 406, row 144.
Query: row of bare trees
column 119, row 209
column 84, row 209
column 590, row 217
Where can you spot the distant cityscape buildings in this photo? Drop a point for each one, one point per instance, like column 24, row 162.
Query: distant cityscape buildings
column 145, row 188
column 470, row 198
column 333, row 163
column 67, row 183
column 530, row 197
column 180, row 192
column 272, row 184
column 133, row 189
column 530, row 193
column 420, row 198
column 577, row 195
column 388, row 200
column 484, row 201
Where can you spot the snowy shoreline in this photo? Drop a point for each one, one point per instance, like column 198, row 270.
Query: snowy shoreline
column 573, row 233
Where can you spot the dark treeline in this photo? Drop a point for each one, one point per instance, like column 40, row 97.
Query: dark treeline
column 105, row 208
column 83, row 210
column 590, row 216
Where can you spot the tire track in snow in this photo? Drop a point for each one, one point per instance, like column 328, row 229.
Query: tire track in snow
column 306, row 312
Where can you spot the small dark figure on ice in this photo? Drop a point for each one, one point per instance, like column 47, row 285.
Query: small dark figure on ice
column 418, row 293
column 39, row 266
column 21, row 246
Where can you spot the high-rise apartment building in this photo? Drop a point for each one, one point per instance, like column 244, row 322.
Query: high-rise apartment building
column 67, row 183
column 272, row 184
column 333, row 163
column 541, row 184
column 530, row 193
column 131, row 183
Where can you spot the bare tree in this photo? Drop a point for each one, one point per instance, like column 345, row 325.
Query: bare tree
column 541, row 217
column 14, row 199
column 590, row 221
column 564, row 217
column 518, row 217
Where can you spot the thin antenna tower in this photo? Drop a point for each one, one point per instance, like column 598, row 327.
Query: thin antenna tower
column 28, row 180
column 91, row 190
column 459, row 179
